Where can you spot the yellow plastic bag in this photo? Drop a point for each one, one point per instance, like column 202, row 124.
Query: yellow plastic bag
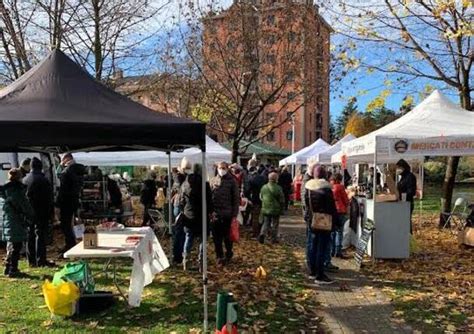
column 61, row 299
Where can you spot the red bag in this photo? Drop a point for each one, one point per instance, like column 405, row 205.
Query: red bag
column 234, row 230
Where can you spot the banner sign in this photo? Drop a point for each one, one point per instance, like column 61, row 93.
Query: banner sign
column 361, row 247
column 437, row 146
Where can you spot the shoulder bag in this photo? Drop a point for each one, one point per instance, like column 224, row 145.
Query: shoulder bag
column 320, row 221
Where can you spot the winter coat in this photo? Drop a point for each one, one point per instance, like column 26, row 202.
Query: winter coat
column 319, row 192
column 306, row 212
column 40, row 194
column 407, row 184
column 256, row 182
column 354, row 213
column 72, row 180
column 341, row 199
column 225, row 196
column 17, row 212
column 114, row 193
column 285, row 180
column 273, row 199
column 190, row 201
column 148, row 193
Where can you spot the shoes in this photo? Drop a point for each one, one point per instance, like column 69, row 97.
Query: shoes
column 261, row 239
column 323, row 280
column 48, row 264
column 312, row 276
column 331, row 268
column 7, row 270
column 341, row 256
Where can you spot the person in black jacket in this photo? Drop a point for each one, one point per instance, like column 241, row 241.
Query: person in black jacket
column 40, row 195
column 256, row 181
column 285, row 181
column 319, row 199
column 406, row 185
column 72, row 181
column 191, row 207
column 147, row 196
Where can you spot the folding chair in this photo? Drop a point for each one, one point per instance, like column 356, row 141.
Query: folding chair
column 159, row 222
column 458, row 215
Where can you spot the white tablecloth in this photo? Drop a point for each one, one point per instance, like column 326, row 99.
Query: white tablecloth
column 148, row 256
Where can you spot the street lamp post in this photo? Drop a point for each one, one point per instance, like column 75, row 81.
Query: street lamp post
column 292, row 122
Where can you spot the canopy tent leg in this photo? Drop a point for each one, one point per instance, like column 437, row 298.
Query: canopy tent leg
column 170, row 205
column 374, row 196
column 204, row 241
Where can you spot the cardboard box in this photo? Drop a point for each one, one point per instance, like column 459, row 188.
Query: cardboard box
column 466, row 236
column 90, row 239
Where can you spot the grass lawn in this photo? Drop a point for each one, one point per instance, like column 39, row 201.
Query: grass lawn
column 432, row 290
column 173, row 302
column 432, row 194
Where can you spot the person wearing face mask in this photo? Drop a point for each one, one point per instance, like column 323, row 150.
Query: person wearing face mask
column 406, row 185
column 225, row 201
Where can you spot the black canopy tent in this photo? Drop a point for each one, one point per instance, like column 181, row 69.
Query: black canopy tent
column 58, row 107
column 58, row 104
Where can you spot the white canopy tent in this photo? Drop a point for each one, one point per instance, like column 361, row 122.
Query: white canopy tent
column 215, row 153
column 325, row 156
column 301, row 157
column 436, row 127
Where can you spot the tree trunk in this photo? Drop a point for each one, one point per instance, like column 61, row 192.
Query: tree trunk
column 235, row 150
column 452, row 167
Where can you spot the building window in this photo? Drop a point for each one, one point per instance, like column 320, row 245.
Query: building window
column 290, row 96
column 270, row 40
column 270, row 79
column 270, row 116
column 292, row 36
column 290, row 77
column 289, row 135
column 318, row 134
column 271, row 20
column 270, row 59
column 271, row 136
column 230, row 44
column 289, row 115
column 254, row 134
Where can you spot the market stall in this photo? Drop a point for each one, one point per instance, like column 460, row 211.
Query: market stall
column 215, row 153
column 301, row 157
column 436, row 127
column 58, row 107
column 324, row 157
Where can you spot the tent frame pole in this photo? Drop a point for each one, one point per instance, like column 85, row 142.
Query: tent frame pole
column 374, row 196
column 170, row 205
column 204, row 241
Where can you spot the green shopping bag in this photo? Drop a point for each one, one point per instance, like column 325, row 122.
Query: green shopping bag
column 78, row 273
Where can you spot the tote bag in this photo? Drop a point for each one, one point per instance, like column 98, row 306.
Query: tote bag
column 320, row 221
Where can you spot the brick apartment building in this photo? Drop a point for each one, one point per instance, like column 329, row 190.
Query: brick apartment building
column 283, row 41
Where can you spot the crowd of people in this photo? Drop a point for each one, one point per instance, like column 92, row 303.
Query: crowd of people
column 264, row 190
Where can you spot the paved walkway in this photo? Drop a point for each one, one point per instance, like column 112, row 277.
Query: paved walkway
column 353, row 304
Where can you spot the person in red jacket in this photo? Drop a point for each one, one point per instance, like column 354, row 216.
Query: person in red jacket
column 342, row 205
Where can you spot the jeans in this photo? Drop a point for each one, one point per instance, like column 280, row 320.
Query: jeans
column 67, row 214
column 310, row 250
column 188, row 243
column 270, row 223
column 321, row 242
column 220, row 234
column 336, row 236
column 13, row 256
column 178, row 242
column 36, row 246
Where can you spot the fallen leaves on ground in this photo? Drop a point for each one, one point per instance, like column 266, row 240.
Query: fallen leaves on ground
column 435, row 282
